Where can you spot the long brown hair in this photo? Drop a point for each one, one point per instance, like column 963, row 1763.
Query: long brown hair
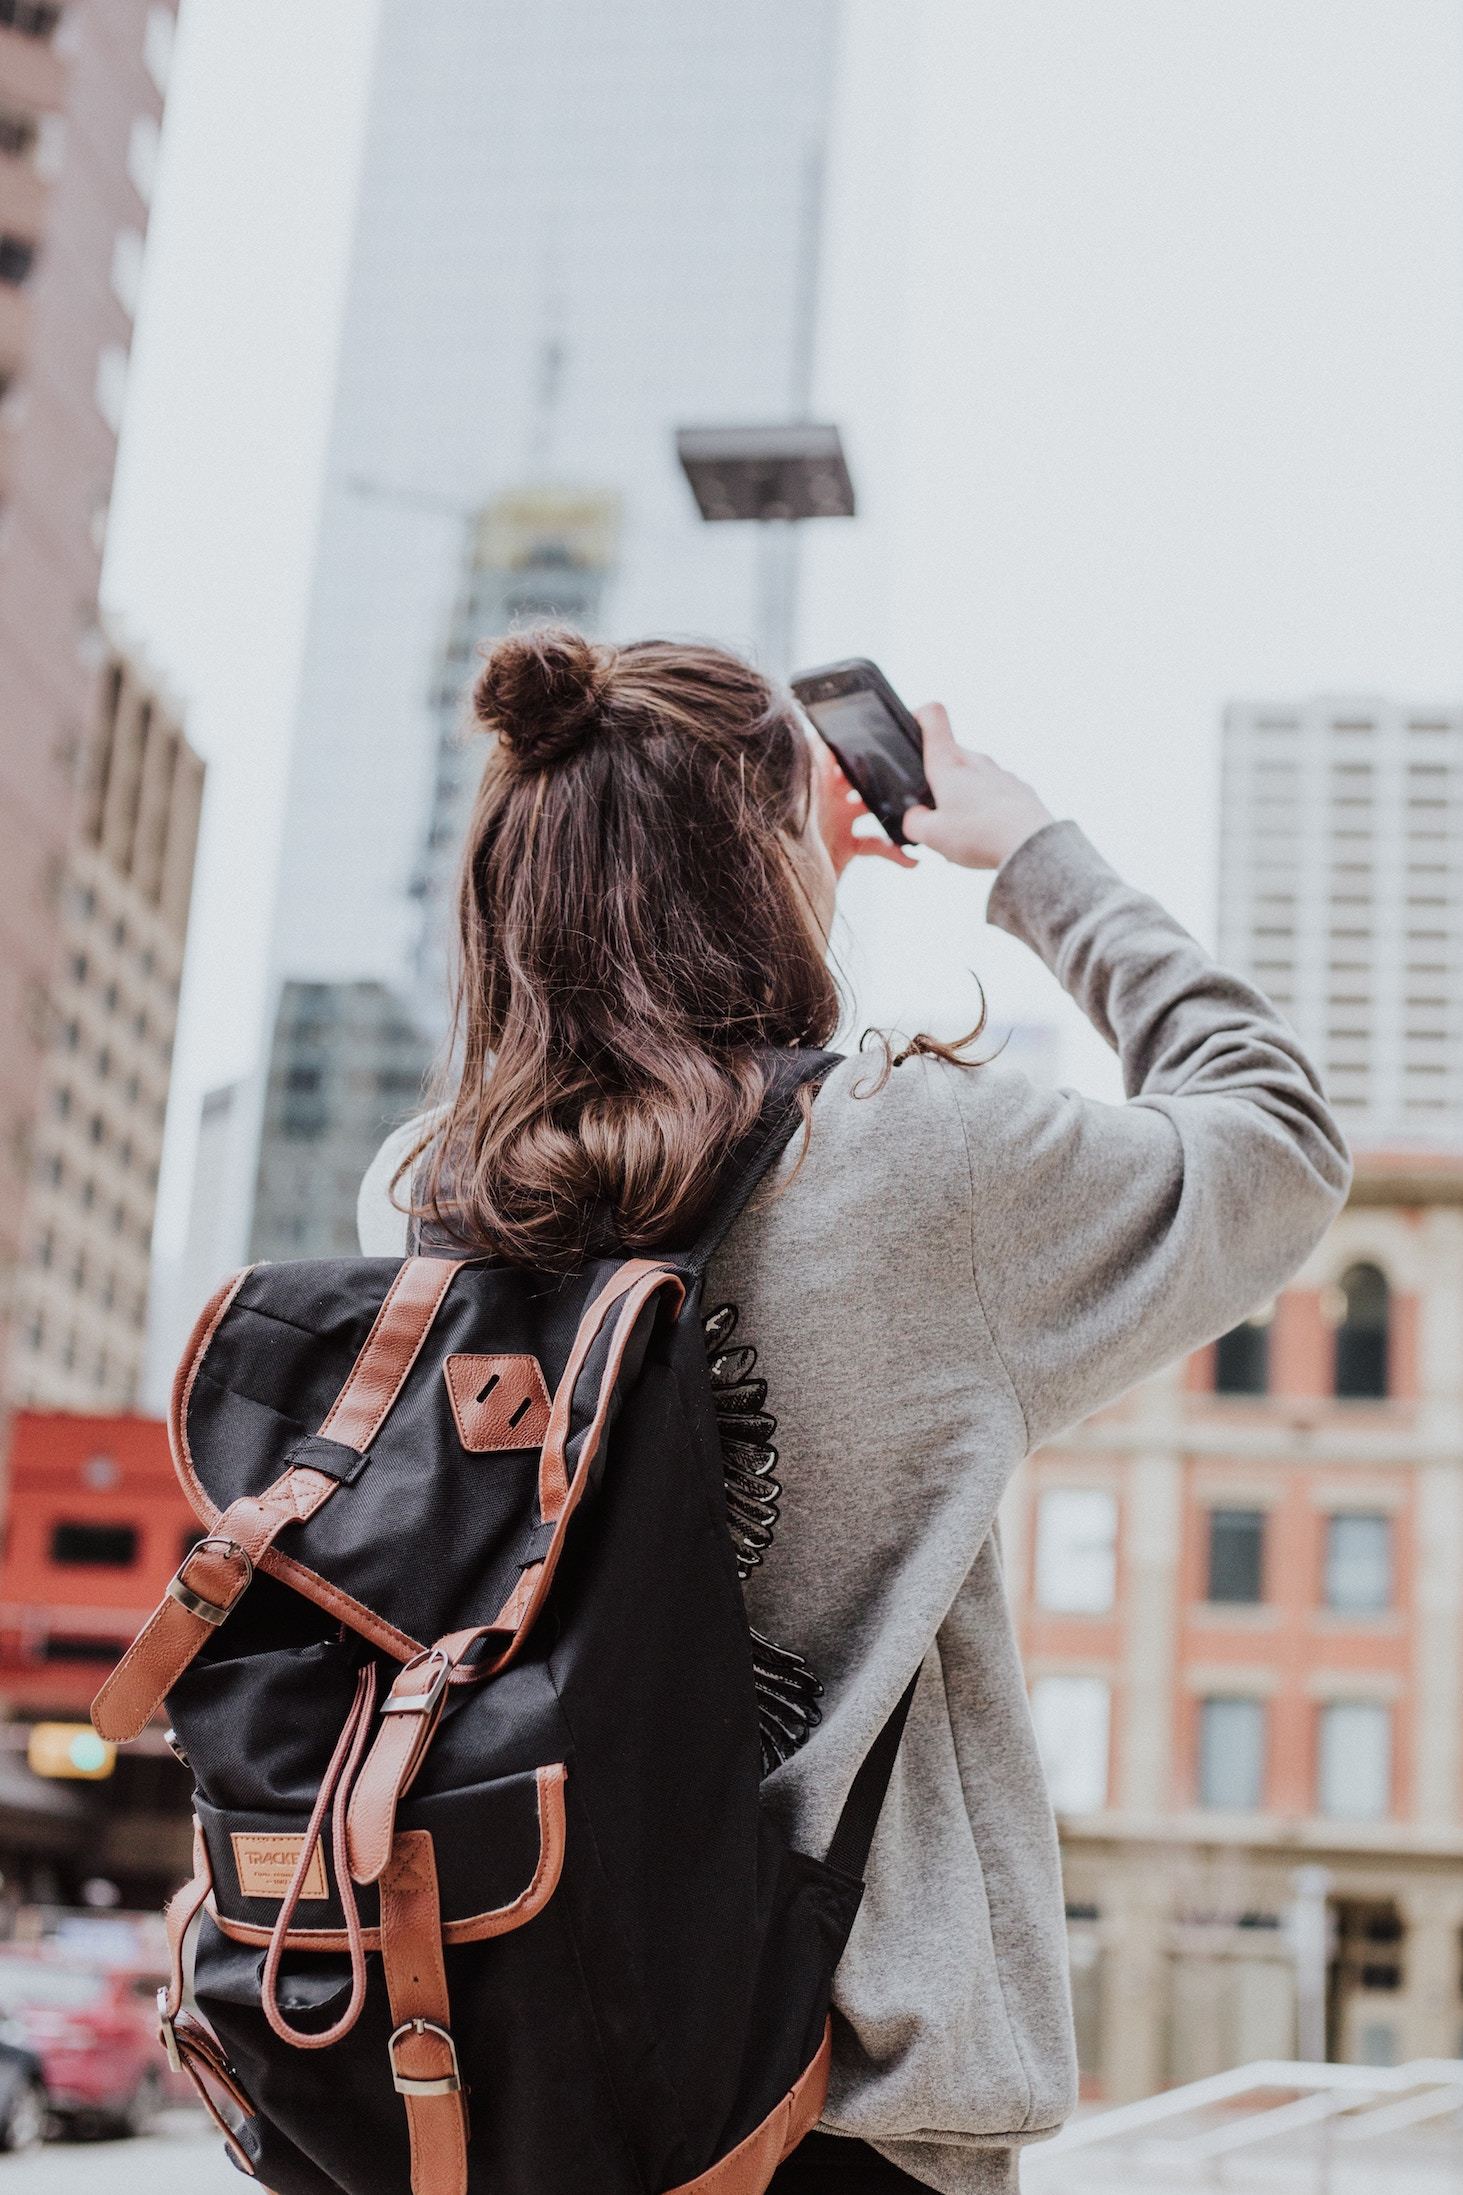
column 634, row 935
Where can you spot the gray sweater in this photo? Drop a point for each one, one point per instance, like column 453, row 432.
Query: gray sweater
column 964, row 1265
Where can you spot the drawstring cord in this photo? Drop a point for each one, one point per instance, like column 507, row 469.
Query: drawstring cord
column 335, row 1787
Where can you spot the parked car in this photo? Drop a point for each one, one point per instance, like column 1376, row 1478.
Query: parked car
column 94, row 2034
column 130, row 1944
column 25, row 2109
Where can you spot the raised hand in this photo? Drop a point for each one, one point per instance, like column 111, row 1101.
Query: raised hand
column 981, row 813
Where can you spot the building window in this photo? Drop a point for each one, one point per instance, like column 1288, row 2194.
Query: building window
column 1231, row 1754
column 63, row 1646
column 1076, row 1551
column 1358, row 1575
column 17, row 257
column 1071, row 1717
column 95, row 1546
column 1354, row 1761
column 1236, row 1565
column 1363, row 1334
column 1242, row 1358
column 32, row 18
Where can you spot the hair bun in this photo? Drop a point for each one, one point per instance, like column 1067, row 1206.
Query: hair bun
column 542, row 692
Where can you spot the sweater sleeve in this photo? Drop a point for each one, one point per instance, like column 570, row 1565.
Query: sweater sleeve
column 1109, row 1239
column 380, row 1220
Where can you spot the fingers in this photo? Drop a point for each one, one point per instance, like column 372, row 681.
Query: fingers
column 917, row 824
column 884, row 849
column 939, row 741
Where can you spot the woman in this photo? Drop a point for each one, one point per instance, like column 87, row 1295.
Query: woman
column 950, row 1266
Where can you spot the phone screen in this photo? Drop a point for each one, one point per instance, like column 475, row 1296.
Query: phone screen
column 877, row 756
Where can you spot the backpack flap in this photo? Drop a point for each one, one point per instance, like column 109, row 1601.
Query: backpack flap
column 319, row 1440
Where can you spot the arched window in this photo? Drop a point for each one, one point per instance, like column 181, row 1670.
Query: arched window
column 1363, row 1333
column 1242, row 1358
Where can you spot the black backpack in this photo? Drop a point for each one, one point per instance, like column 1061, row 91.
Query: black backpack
column 464, row 1677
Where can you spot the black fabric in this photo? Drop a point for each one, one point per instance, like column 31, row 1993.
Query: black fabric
column 787, row 1073
column 830, row 2164
column 849, row 1850
column 634, row 2017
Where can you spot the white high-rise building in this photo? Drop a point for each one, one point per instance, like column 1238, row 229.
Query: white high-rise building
column 533, row 558
column 1342, row 896
column 579, row 228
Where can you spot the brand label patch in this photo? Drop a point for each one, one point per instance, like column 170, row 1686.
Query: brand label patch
column 264, row 1865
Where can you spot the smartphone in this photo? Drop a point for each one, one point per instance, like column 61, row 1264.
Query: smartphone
column 855, row 711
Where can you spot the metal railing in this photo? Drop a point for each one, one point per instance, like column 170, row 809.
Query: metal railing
column 1344, row 2106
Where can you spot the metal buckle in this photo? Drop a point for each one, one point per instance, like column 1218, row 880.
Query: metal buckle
column 420, row 1703
column 207, row 1611
column 449, row 2084
column 165, row 2032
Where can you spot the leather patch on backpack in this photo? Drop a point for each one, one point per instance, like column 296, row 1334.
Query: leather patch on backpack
column 498, row 1402
column 265, row 1864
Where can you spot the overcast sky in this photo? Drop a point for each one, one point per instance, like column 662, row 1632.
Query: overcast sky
column 1143, row 319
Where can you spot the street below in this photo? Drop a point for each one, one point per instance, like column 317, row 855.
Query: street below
column 182, row 2158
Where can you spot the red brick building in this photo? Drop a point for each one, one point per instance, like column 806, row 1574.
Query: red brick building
column 1240, row 1597
column 96, row 1527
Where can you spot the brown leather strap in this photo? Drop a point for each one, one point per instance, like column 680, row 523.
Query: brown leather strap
column 520, row 1611
column 183, row 1909
column 205, row 1587
column 211, row 1578
column 389, row 1351
column 747, row 2169
column 424, row 2067
column 410, row 1714
column 198, row 2052
column 189, row 2041
column 553, row 1481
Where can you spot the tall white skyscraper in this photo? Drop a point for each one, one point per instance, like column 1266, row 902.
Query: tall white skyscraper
column 579, row 228
column 1342, row 895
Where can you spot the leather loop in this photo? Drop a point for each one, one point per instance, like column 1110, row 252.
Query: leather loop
column 335, row 1787
column 423, row 2056
column 410, row 1714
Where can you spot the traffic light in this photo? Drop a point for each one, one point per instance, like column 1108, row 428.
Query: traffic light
column 70, row 1749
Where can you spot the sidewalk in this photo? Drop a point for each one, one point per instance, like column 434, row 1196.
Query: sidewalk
column 184, row 2158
